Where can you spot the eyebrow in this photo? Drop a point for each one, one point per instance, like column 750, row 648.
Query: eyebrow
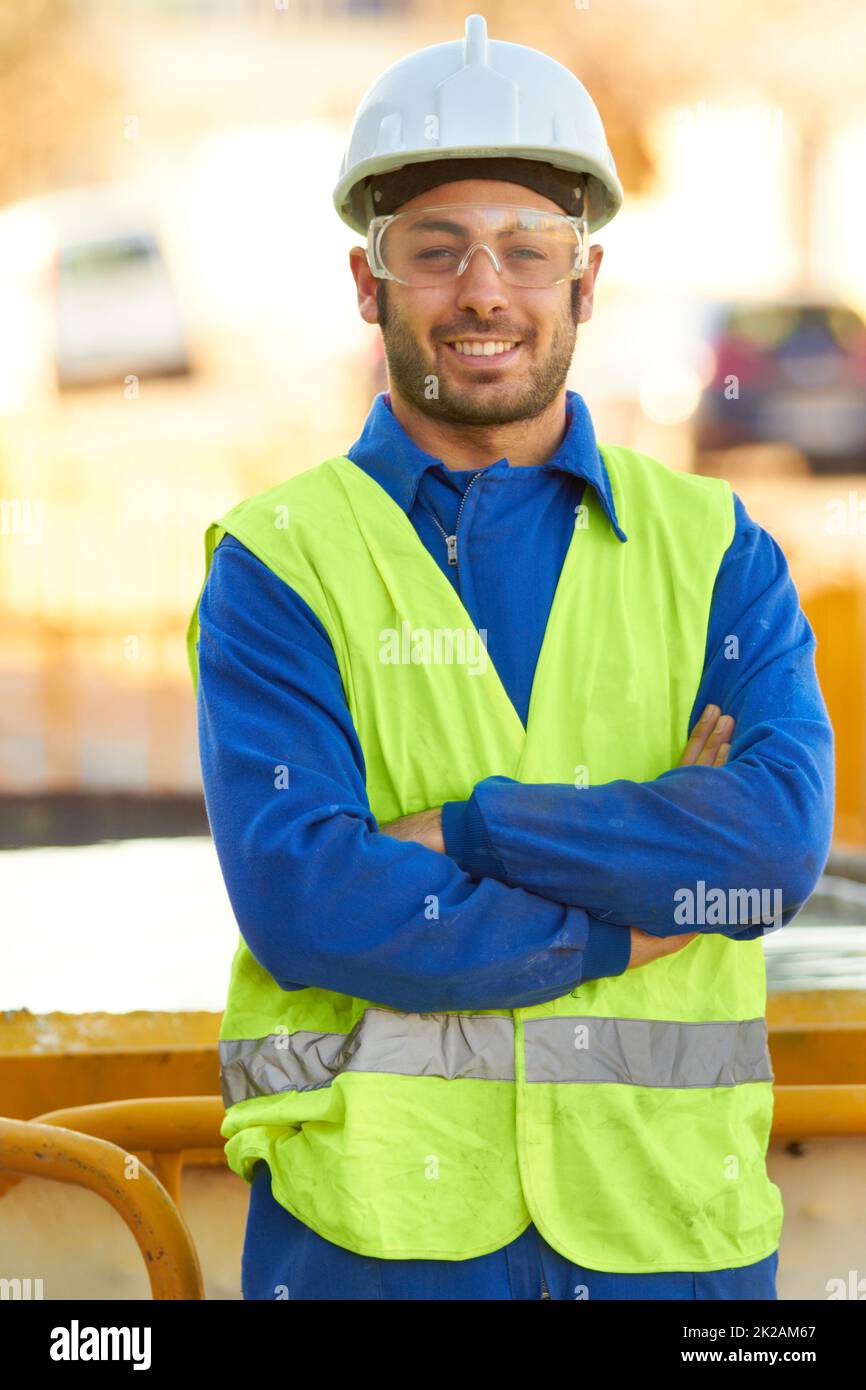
column 436, row 224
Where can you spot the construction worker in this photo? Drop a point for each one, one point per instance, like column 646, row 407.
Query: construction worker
column 512, row 749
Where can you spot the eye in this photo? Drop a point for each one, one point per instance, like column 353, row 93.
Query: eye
column 433, row 253
column 526, row 253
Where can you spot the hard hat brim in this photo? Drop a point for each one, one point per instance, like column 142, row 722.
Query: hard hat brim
column 352, row 203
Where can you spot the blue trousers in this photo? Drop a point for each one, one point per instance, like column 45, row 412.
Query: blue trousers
column 284, row 1258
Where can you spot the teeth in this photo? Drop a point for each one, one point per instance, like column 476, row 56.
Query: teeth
column 489, row 349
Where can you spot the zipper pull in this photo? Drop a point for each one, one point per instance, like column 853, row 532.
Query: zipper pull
column 451, row 542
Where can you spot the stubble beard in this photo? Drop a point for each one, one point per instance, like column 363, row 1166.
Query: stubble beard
column 415, row 379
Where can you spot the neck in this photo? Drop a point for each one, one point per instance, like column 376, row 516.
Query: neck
column 459, row 446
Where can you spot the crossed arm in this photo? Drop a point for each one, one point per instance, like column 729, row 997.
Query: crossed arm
column 624, row 851
column 536, row 882
column 707, row 747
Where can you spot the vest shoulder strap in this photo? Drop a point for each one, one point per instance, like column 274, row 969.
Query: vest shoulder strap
column 647, row 492
column 300, row 523
column 279, row 526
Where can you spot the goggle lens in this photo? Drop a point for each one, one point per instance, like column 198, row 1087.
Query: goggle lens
column 528, row 246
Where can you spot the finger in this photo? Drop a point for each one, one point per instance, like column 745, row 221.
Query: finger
column 700, row 734
column 722, row 755
column 721, row 734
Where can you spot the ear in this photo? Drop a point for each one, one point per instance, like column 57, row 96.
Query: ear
column 366, row 284
column 587, row 282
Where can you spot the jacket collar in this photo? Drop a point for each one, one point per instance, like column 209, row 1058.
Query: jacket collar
column 392, row 458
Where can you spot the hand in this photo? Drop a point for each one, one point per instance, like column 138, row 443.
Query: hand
column 645, row 947
column 710, row 742
column 425, row 827
column 708, row 746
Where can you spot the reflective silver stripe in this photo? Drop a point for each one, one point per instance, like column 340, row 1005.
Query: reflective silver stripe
column 647, row 1051
column 480, row 1046
column 635, row 1052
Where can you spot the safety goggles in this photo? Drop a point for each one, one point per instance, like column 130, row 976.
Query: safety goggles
column 530, row 247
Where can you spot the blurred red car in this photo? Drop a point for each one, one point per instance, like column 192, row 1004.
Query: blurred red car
column 787, row 372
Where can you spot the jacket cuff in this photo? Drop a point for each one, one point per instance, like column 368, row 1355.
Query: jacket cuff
column 607, row 950
column 467, row 843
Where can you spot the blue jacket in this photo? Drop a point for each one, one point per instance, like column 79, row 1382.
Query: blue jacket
column 539, row 883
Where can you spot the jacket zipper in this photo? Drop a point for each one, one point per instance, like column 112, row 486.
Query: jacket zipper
column 451, row 541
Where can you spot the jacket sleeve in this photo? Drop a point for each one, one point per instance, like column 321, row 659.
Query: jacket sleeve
column 321, row 896
column 625, row 851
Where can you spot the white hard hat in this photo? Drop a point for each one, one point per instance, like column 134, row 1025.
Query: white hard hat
column 478, row 98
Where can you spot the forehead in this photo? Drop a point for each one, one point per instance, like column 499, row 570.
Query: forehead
column 479, row 191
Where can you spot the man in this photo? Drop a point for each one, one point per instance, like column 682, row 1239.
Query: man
column 466, row 702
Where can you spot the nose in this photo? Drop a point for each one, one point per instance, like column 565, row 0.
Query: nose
column 480, row 286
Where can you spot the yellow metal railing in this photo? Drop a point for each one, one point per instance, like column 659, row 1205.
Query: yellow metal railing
column 814, row 1112
column 90, row 1146
column 166, row 1128
column 161, row 1126
column 31, row 1149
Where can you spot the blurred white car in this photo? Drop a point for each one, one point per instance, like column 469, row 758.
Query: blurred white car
column 86, row 273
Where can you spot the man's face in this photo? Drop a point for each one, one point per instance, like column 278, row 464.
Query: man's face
column 419, row 324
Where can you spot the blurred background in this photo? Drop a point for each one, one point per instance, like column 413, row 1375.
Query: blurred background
column 178, row 330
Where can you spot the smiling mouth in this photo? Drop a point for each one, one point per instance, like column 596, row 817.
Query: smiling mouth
column 485, row 350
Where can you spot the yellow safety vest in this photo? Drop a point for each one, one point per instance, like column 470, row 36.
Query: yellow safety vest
column 629, row 1119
